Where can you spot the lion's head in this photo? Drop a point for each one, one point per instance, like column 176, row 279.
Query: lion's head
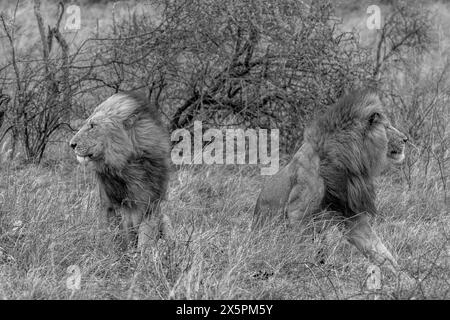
column 379, row 137
column 355, row 134
column 355, row 141
column 120, row 128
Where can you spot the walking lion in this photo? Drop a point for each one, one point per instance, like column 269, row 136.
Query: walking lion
column 127, row 146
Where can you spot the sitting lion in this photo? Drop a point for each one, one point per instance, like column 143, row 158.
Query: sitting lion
column 343, row 150
column 128, row 148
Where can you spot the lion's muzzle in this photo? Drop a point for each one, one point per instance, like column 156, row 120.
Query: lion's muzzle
column 396, row 144
column 83, row 156
column 83, row 160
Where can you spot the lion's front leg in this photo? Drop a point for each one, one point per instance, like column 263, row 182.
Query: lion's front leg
column 166, row 230
column 155, row 225
column 360, row 234
column 128, row 235
column 148, row 232
column 139, row 230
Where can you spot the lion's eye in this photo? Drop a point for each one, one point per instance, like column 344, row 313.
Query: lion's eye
column 92, row 125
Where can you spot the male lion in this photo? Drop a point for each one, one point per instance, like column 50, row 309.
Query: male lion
column 125, row 142
column 343, row 150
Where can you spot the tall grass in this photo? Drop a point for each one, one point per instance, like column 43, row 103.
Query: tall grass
column 216, row 255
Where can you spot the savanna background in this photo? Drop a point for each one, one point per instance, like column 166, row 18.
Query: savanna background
column 244, row 64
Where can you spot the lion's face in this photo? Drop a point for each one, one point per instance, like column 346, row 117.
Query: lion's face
column 386, row 139
column 396, row 145
column 107, row 136
column 89, row 142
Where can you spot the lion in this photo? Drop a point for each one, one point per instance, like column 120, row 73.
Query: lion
column 126, row 144
column 343, row 150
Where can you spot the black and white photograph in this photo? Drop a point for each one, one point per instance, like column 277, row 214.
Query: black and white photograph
column 247, row 151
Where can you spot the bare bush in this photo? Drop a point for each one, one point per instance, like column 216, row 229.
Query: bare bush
column 406, row 29
column 228, row 63
column 41, row 85
column 416, row 80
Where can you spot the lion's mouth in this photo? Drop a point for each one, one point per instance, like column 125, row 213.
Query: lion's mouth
column 396, row 156
column 83, row 159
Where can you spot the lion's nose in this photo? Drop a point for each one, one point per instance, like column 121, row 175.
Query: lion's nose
column 73, row 145
column 405, row 139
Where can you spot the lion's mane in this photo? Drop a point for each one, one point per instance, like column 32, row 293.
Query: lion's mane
column 134, row 169
column 352, row 153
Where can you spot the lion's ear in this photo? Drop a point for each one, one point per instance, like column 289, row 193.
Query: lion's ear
column 130, row 121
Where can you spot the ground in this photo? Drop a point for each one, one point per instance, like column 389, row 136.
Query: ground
column 50, row 221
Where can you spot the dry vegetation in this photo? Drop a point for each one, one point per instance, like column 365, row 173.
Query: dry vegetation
column 49, row 210
column 216, row 257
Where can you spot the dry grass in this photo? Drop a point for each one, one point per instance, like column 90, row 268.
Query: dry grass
column 216, row 256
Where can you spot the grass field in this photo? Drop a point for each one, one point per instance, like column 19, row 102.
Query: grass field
column 50, row 221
